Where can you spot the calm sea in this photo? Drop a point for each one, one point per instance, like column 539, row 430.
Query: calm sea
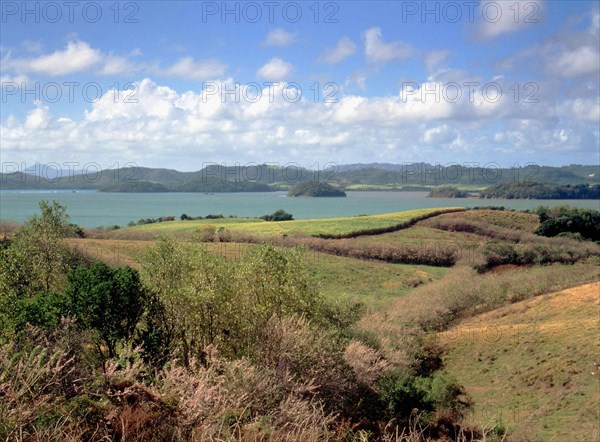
column 93, row 209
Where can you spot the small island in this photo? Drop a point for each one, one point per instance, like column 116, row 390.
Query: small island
column 447, row 192
column 315, row 189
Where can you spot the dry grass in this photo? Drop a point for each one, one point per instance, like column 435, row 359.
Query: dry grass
column 526, row 222
column 533, row 366
column 463, row 293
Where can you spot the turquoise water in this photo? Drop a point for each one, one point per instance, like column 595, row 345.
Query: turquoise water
column 93, row 209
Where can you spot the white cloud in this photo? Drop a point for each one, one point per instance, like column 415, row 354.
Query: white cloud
column 434, row 58
column 580, row 109
column 571, row 53
column 344, row 48
column 37, row 118
column 378, row 51
column 358, row 79
column 440, row 135
column 195, row 70
column 167, row 127
column 500, row 17
column 275, row 70
column 583, row 60
column 115, row 65
column 279, row 37
column 76, row 57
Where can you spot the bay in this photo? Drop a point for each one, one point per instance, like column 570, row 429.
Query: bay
column 93, row 209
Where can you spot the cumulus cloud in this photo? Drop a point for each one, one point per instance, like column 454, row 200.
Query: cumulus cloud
column 358, row 79
column 576, row 62
column 440, row 135
column 165, row 126
column 344, row 48
column 275, row 70
column 279, row 37
column 188, row 68
column 378, row 51
column 498, row 17
column 434, row 58
column 571, row 53
column 78, row 56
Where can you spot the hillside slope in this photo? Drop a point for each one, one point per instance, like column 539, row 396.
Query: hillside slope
column 533, row 367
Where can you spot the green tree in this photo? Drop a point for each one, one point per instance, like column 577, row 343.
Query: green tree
column 194, row 288
column 278, row 215
column 109, row 300
column 272, row 282
column 37, row 260
column 569, row 220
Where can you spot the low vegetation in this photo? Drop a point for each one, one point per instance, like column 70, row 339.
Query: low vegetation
column 447, row 192
column 343, row 227
column 538, row 190
column 103, row 352
column 315, row 188
column 569, row 222
column 278, row 215
column 343, row 334
column 514, row 358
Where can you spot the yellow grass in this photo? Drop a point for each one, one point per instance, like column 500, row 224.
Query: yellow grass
column 533, row 366
column 326, row 226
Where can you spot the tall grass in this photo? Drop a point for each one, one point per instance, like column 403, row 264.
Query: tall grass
column 463, row 293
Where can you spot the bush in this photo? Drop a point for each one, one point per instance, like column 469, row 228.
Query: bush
column 402, row 393
column 560, row 220
column 43, row 310
column 206, row 233
column 109, row 300
column 278, row 215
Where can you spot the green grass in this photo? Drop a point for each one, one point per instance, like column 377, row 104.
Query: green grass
column 533, row 366
column 374, row 284
column 527, row 222
column 327, row 226
column 419, row 234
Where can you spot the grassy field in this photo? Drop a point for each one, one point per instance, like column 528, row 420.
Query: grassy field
column 533, row 367
column 375, row 284
column 526, row 222
column 327, row 226
column 529, row 360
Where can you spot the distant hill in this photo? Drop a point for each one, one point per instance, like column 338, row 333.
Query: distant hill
column 218, row 185
column 537, row 190
column 139, row 186
column 219, row 178
column 315, row 188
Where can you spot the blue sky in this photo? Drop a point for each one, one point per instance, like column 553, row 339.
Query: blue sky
column 444, row 82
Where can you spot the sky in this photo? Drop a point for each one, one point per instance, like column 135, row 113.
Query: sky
column 180, row 84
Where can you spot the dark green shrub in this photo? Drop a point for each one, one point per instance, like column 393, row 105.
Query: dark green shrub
column 402, row 393
column 43, row 310
column 278, row 215
column 109, row 300
column 564, row 219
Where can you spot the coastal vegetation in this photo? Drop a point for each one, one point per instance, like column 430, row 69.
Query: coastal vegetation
column 358, row 328
column 315, row 188
column 538, row 190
